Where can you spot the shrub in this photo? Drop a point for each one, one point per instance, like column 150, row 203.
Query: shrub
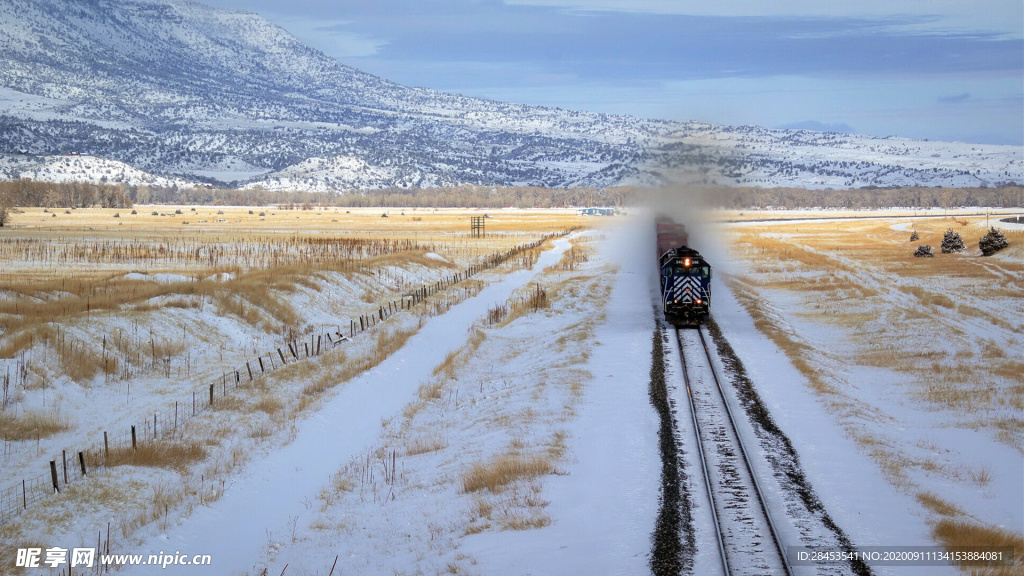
column 992, row 242
column 952, row 242
column 3, row 216
column 135, row 211
column 914, row 237
column 924, row 250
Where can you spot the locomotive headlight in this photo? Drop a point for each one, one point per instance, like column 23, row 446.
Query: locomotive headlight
column 686, row 262
column 698, row 301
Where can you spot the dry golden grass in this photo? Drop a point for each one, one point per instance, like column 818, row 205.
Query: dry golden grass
column 28, row 425
column 958, row 533
column 9, row 553
column 176, row 455
column 504, row 469
column 237, row 218
column 270, row 405
column 423, row 444
column 75, row 266
column 260, row 431
column 932, row 502
column 518, row 508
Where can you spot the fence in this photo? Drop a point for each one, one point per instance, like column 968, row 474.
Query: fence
column 72, row 465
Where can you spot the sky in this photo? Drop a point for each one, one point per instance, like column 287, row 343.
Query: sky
column 925, row 69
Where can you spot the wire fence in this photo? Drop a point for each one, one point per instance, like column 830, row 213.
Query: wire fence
column 73, row 464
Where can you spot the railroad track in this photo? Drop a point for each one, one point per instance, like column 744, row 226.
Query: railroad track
column 748, row 542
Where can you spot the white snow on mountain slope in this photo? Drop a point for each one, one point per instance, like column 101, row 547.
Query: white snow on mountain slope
column 75, row 168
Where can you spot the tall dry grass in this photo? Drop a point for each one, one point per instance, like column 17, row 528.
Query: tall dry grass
column 30, row 425
column 160, row 454
column 504, row 469
column 966, row 533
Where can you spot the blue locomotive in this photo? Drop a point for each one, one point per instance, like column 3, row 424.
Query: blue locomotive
column 685, row 277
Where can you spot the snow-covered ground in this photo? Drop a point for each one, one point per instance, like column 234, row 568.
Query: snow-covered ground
column 529, row 445
column 564, row 387
column 905, row 409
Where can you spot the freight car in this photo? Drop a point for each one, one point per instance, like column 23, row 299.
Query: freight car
column 685, row 277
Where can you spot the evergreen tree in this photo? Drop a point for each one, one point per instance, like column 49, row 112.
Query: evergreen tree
column 992, row 242
column 924, row 250
column 952, row 242
column 914, row 237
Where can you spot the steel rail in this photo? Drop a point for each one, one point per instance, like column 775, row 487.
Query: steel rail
column 703, row 461
column 739, row 441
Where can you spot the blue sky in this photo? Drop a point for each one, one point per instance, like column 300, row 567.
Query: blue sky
column 942, row 69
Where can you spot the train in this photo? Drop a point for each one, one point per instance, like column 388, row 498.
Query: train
column 685, row 277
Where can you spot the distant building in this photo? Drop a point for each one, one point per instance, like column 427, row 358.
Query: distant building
column 597, row 211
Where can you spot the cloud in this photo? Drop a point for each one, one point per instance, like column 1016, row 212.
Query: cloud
column 1003, row 17
column 956, row 98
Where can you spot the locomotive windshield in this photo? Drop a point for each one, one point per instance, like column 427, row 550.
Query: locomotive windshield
column 680, row 270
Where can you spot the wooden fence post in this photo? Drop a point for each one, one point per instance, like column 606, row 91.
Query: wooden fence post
column 53, row 475
column 106, row 446
column 249, row 369
column 81, row 460
column 281, row 354
column 262, row 369
column 134, row 445
column 306, row 345
column 211, row 394
column 24, row 496
column 64, row 460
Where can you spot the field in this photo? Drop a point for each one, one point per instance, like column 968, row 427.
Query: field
column 110, row 319
column 418, row 400
column 918, row 359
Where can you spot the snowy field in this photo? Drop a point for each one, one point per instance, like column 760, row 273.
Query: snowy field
column 509, row 430
column 901, row 378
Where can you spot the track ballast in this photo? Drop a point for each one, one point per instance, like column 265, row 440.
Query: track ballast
column 748, row 541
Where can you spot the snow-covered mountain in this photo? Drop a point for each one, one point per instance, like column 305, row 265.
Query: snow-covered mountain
column 171, row 91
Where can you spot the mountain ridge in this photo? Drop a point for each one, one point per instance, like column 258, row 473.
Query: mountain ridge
column 182, row 92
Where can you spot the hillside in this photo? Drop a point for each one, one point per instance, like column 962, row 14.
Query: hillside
column 176, row 92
